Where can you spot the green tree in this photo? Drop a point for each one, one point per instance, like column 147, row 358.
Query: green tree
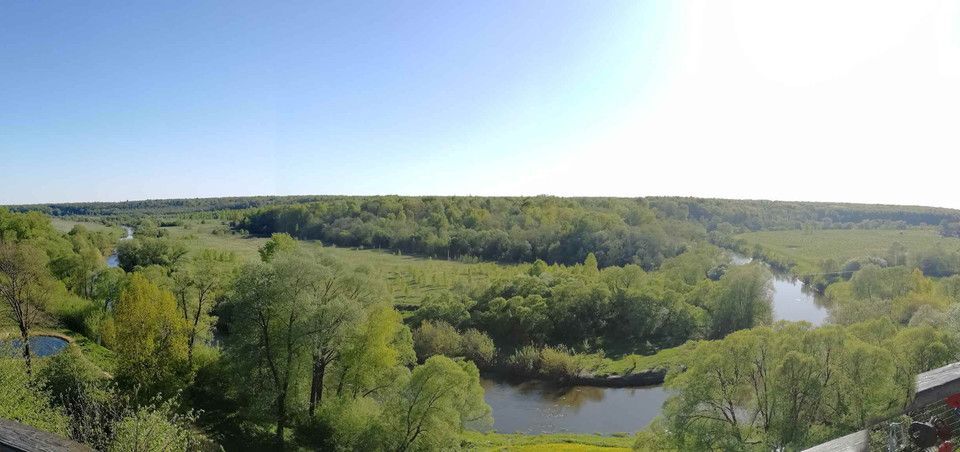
column 151, row 338
column 432, row 406
column 25, row 286
column 279, row 242
column 199, row 286
column 270, row 333
column 743, row 299
column 21, row 401
column 478, row 347
column 155, row 428
column 436, row 338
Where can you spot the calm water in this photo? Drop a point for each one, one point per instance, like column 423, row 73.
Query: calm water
column 42, row 345
column 540, row 407
column 791, row 299
column 113, row 260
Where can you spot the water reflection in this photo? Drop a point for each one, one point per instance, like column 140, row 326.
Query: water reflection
column 792, row 300
column 540, row 407
column 39, row 346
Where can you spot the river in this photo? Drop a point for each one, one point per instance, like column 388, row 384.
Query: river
column 114, row 260
column 540, row 407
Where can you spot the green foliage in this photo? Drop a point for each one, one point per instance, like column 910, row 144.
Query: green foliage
column 743, row 300
column 617, row 231
column 805, row 252
column 155, row 428
column 439, row 338
column 478, row 347
column 432, row 406
column 792, row 386
column 144, row 252
column 151, row 339
column 25, row 289
column 22, row 401
column 444, row 307
column 279, row 242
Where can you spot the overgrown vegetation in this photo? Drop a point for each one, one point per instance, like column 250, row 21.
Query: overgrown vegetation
column 208, row 337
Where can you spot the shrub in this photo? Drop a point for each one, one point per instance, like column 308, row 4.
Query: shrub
column 558, row 363
column 525, row 361
column 478, row 347
column 22, row 402
column 155, row 428
column 436, row 338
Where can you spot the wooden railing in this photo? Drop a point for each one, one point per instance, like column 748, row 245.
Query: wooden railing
column 17, row 437
column 929, row 401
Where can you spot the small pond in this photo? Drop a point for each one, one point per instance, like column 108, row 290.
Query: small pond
column 42, row 345
column 542, row 407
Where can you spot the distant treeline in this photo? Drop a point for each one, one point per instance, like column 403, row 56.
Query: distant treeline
column 619, row 231
column 558, row 230
column 161, row 206
column 755, row 215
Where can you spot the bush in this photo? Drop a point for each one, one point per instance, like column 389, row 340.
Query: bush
column 155, row 428
column 23, row 402
column 436, row 338
column 525, row 361
column 342, row 425
column 65, row 375
column 445, row 307
column 558, row 363
column 478, row 347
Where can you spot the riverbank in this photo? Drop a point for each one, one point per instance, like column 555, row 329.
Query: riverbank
column 597, row 370
column 546, row 442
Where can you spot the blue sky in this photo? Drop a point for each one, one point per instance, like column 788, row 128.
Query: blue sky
column 136, row 100
column 813, row 100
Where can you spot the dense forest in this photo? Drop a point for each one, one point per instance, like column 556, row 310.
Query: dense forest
column 300, row 348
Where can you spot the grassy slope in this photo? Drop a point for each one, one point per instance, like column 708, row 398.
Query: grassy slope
column 808, row 248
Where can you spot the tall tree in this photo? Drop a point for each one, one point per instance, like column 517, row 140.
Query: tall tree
column 151, row 339
column 25, row 286
column 199, row 286
column 270, row 330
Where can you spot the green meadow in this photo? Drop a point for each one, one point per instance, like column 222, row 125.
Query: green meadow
column 806, row 248
column 409, row 278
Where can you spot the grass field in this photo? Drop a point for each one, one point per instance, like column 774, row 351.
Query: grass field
column 409, row 278
column 807, row 248
column 64, row 225
column 545, row 442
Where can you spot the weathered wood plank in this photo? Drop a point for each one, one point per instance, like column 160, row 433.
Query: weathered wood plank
column 17, row 437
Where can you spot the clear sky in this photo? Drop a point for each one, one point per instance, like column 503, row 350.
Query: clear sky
column 816, row 100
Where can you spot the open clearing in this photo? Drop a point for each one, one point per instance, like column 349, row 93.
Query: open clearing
column 65, row 225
